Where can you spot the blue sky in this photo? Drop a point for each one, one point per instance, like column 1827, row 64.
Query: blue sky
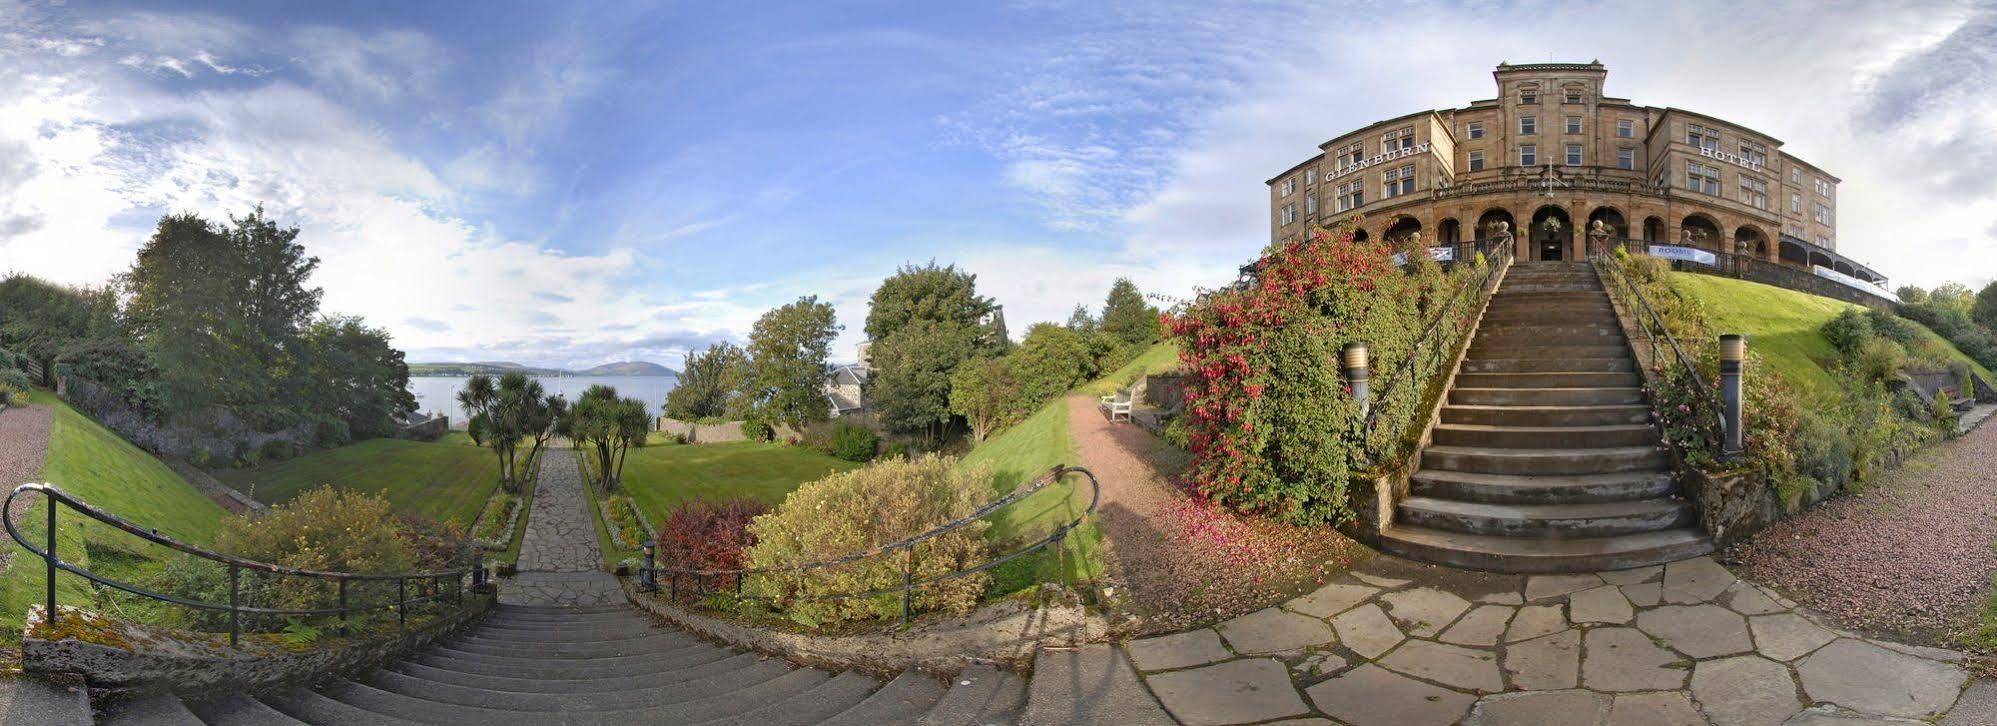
column 577, row 183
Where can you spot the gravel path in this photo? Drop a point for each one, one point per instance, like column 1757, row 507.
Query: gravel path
column 559, row 560
column 1910, row 555
column 24, row 438
column 1184, row 562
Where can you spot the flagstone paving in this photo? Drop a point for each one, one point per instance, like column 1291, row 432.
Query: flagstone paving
column 1688, row 643
column 560, row 564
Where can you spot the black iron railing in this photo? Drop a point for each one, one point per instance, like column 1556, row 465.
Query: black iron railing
column 430, row 586
column 1652, row 327
column 1440, row 333
column 650, row 572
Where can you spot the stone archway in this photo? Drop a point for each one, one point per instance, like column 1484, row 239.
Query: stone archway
column 1487, row 231
column 1653, row 229
column 1359, row 235
column 1448, row 231
column 1614, row 230
column 1552, row 234
column 1750, row 242
column 1402, row 232
column 1699, row 230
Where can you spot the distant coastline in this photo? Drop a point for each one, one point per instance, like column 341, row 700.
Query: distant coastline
column 453, row 370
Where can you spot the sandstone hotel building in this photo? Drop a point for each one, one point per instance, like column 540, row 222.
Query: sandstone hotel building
column 1552, row 155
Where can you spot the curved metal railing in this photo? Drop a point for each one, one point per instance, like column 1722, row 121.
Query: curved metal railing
column 650, row 571
column 1431, row 340
column 1653, row 326
column 236, row 565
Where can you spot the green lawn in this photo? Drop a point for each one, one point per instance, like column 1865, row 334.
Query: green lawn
column 659, row 477
column 1783, row 326
column 1162, row 356
column 92, row 463
column 1017, row 455
column 448, row 479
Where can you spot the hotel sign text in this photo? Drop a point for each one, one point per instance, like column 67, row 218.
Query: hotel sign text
column 1735, row 159
column 1377, row 159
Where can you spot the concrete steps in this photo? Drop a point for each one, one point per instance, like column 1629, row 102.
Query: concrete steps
column 611, row 666
column 1545, row 459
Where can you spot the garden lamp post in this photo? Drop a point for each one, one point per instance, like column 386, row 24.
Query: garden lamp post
column 647, row 580
column 1354, row 356
column 1733, row 348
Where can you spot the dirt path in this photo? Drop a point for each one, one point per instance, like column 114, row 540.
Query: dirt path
column 1184, row 562
column 24, row 439
column 1910, row 555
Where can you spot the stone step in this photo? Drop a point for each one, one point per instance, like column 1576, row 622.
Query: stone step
column 719, row 706
column 583, row 650
column 318, row 709
column 981, row 694
column 1543, row 297
column 447, row 659
column 1516, row 489
column 529, row 636
column 1544, row 396
column 159, row 708
column 1550, row 365
column 1547, row 415
column 1544, row 437
column 241, row 710
column 1550, row 335
column 563, row 612
column 57, row 701
column 717, row 683
column 1591, row 312
column 1090, row 684
column 1518, row 287
column 504, row 618
column 828, row 699
column 1519, row 350
column 555, row 679
column 1563, row 379
column 901, row 701
column 1536, row 555
column 1555, row 521
column 1545, row 461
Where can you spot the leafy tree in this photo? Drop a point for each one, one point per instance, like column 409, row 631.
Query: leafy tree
column 910, row 386
column 515, row 409
column 1911, row 294
column 1050, row 361
column 41, row 319
column 355, row 376
column 928, row 293
column 608, row 427
column 477, row 398
column 1081, row 321
column 1985, row 308
column 985, row 393
column 711, row 380
column 1126, row 316
column 787, row 351
column 1953, row 295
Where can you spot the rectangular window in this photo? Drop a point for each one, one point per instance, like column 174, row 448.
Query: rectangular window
column 1400, row 139
column 1528, row 155
column 1754, row 153
column 1289, row 213
column 1796, row 202
column 1476, row 161
column 1476, row 129
column 1795, row 174
column 1573, row 96
column 1528, row 125
column 1396, row 182
column 1626, row 158
column 1754, row 192
column 1289, row 186
column 1573, row 154
column 1702, row 178
column 1310, row 203
column 1573, row 124
column 1310, row 177
column 1348, row 156
column 1824, row 187
column 1704, row 137
column 1823, row 215
column 1626, row 128
column 1351, row 195
column 1528, row 95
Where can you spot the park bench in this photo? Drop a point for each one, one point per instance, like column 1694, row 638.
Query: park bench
column 1117, row 405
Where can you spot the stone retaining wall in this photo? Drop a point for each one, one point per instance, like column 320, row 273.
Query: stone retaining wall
column 203, row 664
column 714, row 433
column 1006, row 633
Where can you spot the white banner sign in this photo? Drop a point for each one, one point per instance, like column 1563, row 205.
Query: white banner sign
column 1834, row 275
column 1688, row 254
column 1443, row 254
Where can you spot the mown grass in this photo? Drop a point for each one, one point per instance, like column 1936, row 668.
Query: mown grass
column 1017, row 455
column 660, row 477
column 446, row 480
column 1160, row 357
column 92, row 463
column 1783, row 326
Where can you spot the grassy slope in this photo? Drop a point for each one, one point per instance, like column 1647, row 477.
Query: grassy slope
column 659, row 477
column 1160, row 357
column 93, row 463
column 1782, row 325
column 447, row 479
column 1017, row 455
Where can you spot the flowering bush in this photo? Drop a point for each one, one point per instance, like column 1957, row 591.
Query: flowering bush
column 1269, row 418
column 708, row 535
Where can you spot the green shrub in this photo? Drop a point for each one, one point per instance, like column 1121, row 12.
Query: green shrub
column 1825, row 451
column 1893, row 327
column 758, row 430
column 1879, row 360
column 853, row 442
column 276, row 450
column 334, row 432
column 856, row 511
column 200, row 457
column 12, row 396
column 1849, row 330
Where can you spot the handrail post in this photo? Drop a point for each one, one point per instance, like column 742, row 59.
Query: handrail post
column 343, row 607
column 1733, row 348
column 907, row 585
column 402, row 602
column 50, row 558
column 235, row 615
column 648, row 579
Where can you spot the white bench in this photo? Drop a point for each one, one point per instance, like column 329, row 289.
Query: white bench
column 1117, row 405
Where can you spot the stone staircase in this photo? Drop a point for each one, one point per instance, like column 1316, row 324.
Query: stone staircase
column 608, row 665
column 1545, row 459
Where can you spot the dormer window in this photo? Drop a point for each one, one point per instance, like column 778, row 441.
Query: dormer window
column 1573, row 95
column 1529, row 93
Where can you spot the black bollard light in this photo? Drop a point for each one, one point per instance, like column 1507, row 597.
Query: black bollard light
column 1354, row 356
column 1733, row 349
column 647, row 580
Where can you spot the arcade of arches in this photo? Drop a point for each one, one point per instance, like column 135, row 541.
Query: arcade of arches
column 1558, row 229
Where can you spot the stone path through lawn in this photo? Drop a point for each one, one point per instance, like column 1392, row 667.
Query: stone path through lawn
column 559, row 560
column 24, row 440
column 1397, row 643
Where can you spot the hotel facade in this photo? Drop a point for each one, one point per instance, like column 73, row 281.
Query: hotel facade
column 1562, row 168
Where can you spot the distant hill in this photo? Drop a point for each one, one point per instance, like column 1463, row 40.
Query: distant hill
column 493, row 368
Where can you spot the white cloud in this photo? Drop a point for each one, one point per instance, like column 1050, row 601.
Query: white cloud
column 386, row 65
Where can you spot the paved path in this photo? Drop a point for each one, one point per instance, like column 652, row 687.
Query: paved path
column 1397, row 643
column 559, row 560
column 24, row 440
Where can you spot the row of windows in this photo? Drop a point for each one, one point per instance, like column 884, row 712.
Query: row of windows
column 1529, row 93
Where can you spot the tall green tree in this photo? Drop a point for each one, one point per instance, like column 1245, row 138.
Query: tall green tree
column 515, row 409
column 923, row 322
column 1126, row 316
column 1985, row 308
column 927, row 293
column 41, row 319
column 1953, row 295
column 986, row 394
column 788, row 348
column 1051, row 360
column 1911, row 294
column 1081, row 321
column 608, row 427
column 708, row 384
column 354, row 375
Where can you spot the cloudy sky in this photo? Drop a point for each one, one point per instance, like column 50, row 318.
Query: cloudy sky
column 574, row 183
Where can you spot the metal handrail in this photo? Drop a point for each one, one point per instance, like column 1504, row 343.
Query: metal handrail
column 1502, row 257
column 649, row 571
column 1647, row 316
column 236, row 565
